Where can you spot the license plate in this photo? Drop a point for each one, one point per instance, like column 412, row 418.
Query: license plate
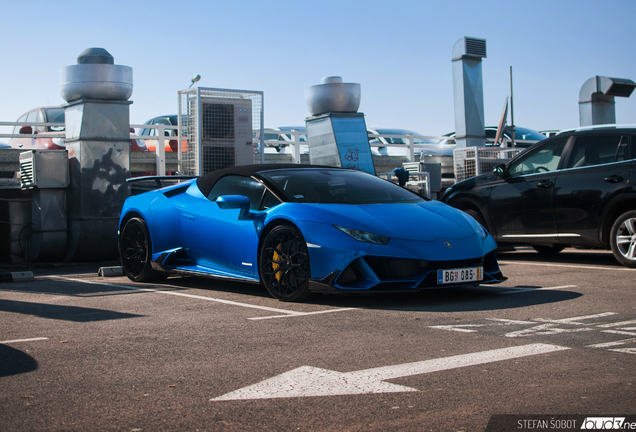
column 473, row 274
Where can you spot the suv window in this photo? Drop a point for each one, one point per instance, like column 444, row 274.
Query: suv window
column 598, row 150
column 540, row 159
column 239, row 185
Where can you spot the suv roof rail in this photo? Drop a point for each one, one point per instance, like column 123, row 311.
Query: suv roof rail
column 601, row 126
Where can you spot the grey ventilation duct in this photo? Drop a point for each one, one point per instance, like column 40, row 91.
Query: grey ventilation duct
column 468, row 91
column 596, row 99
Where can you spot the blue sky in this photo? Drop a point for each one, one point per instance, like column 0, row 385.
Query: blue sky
column 398, row 50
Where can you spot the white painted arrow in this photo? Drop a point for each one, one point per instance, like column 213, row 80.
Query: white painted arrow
column 309, row 381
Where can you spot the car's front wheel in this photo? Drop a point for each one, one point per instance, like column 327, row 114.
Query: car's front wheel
column 136, row 252
column 623, row 239
column 284, row 264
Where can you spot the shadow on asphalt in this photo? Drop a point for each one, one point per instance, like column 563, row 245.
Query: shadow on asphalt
column 61, row 312
column 568, row 256
column 15, row 361
column 481, row 298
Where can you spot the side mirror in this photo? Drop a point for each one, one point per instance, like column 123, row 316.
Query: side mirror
column 26, row 130
column 500, row 170
column 229, row 202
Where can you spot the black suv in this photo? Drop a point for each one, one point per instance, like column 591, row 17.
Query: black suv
column 574, row 189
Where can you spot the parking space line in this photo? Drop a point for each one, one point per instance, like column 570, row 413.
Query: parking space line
column 212, row 299
column 568, row 266
column 23, row 340
column 611, row 344
column 303, row 314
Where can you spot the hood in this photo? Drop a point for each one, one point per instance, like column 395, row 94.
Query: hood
column 424, row 221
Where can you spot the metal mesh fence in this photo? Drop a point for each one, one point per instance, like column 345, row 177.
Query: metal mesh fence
column 219, row 128
column 473, row 161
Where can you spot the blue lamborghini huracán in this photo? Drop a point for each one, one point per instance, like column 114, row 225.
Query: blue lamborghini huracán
column 299, row 229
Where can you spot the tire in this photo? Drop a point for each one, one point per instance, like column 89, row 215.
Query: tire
column 623, row 239
column 136, row 252
column 548, row 250
column 284, row 264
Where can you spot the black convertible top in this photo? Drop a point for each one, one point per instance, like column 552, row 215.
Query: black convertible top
column 206, row 182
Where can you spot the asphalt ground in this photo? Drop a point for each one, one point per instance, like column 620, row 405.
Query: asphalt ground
column 80, row 352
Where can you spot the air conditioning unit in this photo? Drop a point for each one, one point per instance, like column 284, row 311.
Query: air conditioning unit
column 226, row 133
column 44, row 169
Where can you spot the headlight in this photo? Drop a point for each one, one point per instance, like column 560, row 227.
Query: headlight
column 479, row 229
column 363, row 236
column 481, row 232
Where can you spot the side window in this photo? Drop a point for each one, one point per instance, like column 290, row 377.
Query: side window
column 16, row 130
column 32, row 117
column 269, row 201
column 238, row 185
column 40, row 119
column 539, row 160
column 598, row 150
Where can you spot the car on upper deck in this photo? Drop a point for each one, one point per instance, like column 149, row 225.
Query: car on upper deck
column 47, row 136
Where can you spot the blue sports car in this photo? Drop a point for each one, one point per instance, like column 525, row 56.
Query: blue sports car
column 299, row 229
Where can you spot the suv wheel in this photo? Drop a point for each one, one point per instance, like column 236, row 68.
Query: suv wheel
column 623, row 239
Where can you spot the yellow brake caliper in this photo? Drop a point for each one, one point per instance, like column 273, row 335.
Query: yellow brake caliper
column 275, row 264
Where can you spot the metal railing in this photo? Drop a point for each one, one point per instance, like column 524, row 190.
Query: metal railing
column 160, row 137
column 291, row 139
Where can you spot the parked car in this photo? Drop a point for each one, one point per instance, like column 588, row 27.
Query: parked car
column 284, row 141
column 45, row 141
column 524, row 137
column 303, row 228
column 574, row 189
column 168, row 120
column 385, row 145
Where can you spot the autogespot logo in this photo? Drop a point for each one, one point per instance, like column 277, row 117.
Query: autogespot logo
column 605, row 423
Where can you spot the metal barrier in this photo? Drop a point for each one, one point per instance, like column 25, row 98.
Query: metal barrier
column 468, row 162
column 473, row 161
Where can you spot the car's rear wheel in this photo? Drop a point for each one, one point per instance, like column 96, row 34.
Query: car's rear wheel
column 136, row 252
column 548, row 250
column 623, row 239
column 284, row 264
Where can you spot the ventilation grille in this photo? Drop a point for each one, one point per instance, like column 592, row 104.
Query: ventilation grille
column 475, row 47
column 27, row 173
column 218, row 157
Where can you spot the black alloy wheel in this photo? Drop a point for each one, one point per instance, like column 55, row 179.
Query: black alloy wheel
column 623, row 239
column 284, row 264
column 136, row 252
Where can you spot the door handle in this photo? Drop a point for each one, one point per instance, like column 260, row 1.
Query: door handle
column 544, row 184
column 613, row 179
column 187, row 216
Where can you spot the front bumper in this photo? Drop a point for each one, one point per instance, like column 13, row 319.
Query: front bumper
column 383, row 274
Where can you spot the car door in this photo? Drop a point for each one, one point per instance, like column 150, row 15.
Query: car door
column 216, row 238
column 520, row 204
column 597, row 170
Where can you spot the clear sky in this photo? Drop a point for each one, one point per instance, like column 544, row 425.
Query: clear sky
column 398, row 50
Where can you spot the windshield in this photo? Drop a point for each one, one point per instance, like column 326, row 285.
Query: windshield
column 402, row 140
column 339, row 186
column 527, row 134
column 54, row 115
